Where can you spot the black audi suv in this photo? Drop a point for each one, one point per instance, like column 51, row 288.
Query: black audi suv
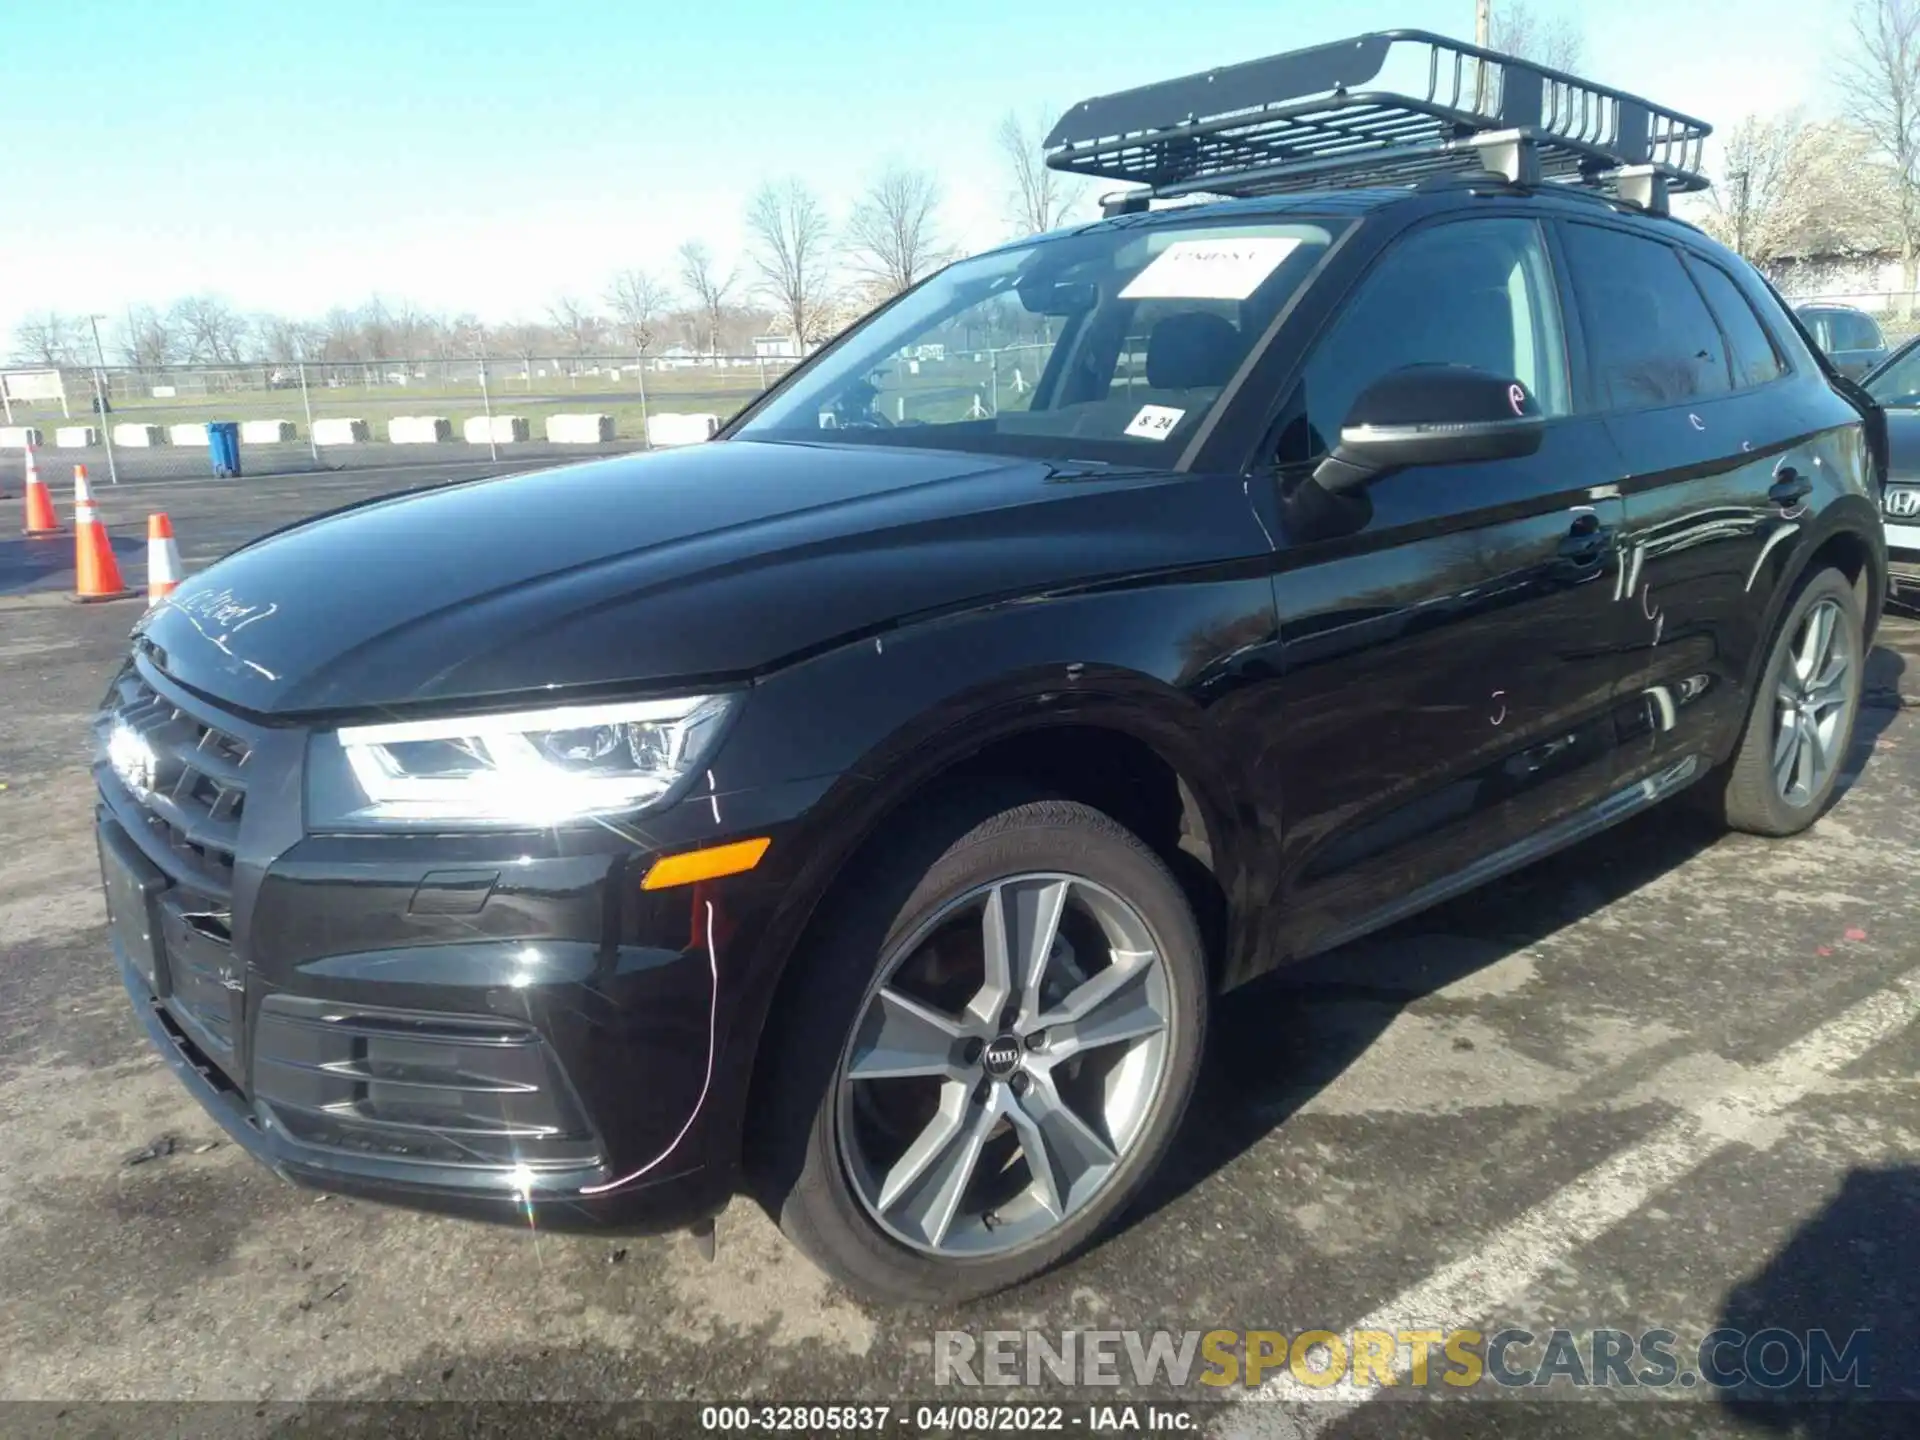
column 864, row 810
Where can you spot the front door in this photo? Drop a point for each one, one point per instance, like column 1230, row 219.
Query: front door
column 1445, row 635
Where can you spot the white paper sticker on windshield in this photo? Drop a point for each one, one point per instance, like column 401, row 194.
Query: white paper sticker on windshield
column 1225, row 269
column 1155, row 422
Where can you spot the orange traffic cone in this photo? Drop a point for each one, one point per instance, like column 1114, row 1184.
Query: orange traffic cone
column 163, row 559
column 40, row 520
column 96, row 574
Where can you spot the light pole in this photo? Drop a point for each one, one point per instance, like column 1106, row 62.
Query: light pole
column 101, row 401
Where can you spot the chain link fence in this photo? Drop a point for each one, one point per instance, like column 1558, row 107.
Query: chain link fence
column 135, row 423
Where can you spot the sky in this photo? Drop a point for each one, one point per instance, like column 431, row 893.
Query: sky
column 489, row 157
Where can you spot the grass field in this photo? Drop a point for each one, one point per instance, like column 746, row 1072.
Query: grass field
column 934, row 391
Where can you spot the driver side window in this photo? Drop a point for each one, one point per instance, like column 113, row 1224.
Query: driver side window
column 1475, row 292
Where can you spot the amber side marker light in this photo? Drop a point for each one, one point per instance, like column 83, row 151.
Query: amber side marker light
column 671, row 870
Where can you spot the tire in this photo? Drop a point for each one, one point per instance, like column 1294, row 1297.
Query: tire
column 811, row 1133
column 1754, row 799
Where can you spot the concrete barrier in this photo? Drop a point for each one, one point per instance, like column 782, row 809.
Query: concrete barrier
column 267, row 432
column 76, row 437
column 680, row 429
column 336, row 430
column 502, row 430
column 139, row 437
column 419, row 429
column 192, row 433
column 579, row 429
column 19, row 437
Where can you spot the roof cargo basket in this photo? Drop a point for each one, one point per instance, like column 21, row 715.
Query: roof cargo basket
column 1389, row 108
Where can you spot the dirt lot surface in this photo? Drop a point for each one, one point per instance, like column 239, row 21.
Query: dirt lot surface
column 1667, row 1079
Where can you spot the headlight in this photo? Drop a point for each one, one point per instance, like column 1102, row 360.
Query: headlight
column 533, row 768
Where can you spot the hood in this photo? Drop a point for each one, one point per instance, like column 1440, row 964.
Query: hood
column 713, row 562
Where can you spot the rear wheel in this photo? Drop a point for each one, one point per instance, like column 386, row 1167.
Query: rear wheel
column 1010, row 1007
column 1803, row 714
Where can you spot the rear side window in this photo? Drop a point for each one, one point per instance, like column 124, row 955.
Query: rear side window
column 1755, row 360
column 1854, row 332
column 1650, row 338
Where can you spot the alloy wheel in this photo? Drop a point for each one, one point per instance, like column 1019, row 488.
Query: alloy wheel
column 1004, row 1064
column 1812, row 705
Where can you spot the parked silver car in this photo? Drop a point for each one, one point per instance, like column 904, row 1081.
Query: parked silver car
column 1851, row 337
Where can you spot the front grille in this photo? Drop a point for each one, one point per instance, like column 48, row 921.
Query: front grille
column 194, row 799
column 184, row 813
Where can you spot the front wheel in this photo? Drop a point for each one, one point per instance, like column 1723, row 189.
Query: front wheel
column 1014, row 1005
column 1803, row 714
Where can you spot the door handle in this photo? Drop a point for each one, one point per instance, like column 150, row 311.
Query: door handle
column 1789, row 487
column 1586, row 541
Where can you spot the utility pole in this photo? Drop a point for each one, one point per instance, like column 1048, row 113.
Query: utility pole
column 1741, row 180
column 103, row 399
column 1483, row 23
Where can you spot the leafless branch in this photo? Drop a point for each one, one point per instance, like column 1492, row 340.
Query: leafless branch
column 638, row 301
column 1555, row 41
column 709, row 288
column 893, row 236
column 1040, row 198
column 788, row 231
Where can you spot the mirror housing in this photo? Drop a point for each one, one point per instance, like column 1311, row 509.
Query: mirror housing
column 1058, row 298
column 1431, row 415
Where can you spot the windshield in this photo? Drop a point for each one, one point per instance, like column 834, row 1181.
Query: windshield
column 1897, row 386
column 1109, row 344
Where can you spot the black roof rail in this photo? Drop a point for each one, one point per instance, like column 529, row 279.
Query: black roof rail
column 1306, row 120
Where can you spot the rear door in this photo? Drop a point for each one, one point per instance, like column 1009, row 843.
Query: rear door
column 1700, row 404
column 1446, row 687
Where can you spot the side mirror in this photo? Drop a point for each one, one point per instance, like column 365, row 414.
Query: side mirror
column 1431, row 415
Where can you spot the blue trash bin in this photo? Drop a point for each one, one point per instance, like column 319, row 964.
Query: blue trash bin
column 223, row 447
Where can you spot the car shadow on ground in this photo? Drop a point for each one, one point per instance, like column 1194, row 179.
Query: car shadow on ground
column 1834, row 1315
column 1270, row 1051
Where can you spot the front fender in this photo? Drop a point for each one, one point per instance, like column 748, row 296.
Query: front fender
column 1181, row 667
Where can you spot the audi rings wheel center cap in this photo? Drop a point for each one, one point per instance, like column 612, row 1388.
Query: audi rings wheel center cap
column 1002, row 1056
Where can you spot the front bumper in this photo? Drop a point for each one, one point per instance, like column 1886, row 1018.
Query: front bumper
column 503, row 1025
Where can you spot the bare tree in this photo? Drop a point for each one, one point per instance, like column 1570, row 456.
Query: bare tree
column 285, row 341
column 211, row 332
column 579, row 327
column 893, row 236
column 464, row 335
column 1882, row 96
column 376, row 329
column 524, row 341
column 48, row 338
column 1555, row 41
column 708, row 287
column 787, row 229
column 1041, row 197
column 1791, row 187
column 639, row 302
column 146, row 338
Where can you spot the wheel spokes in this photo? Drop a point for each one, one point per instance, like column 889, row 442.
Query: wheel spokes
column 1803, row 763
column 902, row 1037
column 1064, row 1153
column 924, row 1188
column 1816, row 641
column 1113, row 1006
column 971, row 1126
column 1018, row 926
